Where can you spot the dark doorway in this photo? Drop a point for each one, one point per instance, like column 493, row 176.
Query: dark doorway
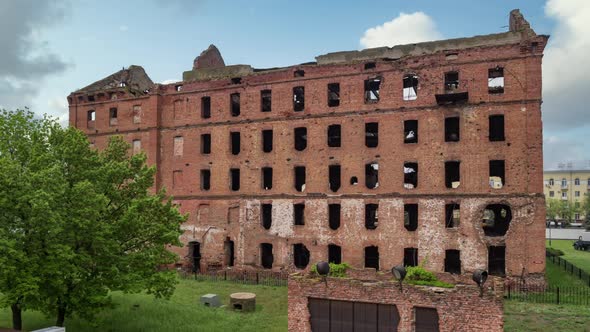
column 234, row 182
column 266, row 178
column 300, row 178
column 266, row 216
column 334, row 177
column 299, row 214
column 334, row 254
column 410, row 175
column 372, row 257
column 497, row 260
column 411, row 217
column 453, row 261
column 452, row 174
column 333, row 94
column 426, row 319
column 267, row 140
column 234, row 104
column 300, row 255
column 195, row 255
column 371, row 134
column 411, row 131
column 452, row 215
column 452, row 133
column 298, row 98
column 410, row 256
column 371, row 216
column 372, row 175
column 266, row 256
column 334, row 138
column 235, row 142
column 497, row 173
column 300, row 134
column 229, row 252
column 334, row 216
column 496, row 128
column 265, row 100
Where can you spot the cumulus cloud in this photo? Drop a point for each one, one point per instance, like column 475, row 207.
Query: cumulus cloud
column 25, row 60
column 404, row 29
column 566, row 69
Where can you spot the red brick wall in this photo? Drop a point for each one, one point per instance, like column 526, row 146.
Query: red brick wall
column 459, row 308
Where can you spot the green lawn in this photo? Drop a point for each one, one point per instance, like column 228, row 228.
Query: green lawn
column 183, row 312
column 525, row 317
column 557, row 276
column 579, row 258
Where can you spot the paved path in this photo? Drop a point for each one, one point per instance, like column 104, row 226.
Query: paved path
column 567, row 234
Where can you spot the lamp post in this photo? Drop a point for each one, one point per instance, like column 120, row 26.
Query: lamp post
column 399, row 272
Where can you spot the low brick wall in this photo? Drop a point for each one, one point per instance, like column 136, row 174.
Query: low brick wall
column 459, row 308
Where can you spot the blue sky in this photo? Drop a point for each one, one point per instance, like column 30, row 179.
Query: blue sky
column 70, row 44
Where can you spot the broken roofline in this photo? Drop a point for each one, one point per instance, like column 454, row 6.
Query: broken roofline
column 520, row 31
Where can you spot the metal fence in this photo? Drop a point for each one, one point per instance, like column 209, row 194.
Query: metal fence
column 548, row 294
column 266, row 278
column 569, row 267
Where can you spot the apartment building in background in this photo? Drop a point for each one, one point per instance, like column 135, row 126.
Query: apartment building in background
column 569, row 181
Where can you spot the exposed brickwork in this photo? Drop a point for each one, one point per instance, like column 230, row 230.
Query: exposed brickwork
column 219, row 214
column 459, row 308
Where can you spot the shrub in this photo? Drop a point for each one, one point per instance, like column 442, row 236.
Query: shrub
column 418, row 275
column 554, row 252
column 336, row 270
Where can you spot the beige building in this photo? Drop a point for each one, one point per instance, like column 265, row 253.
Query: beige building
column 568, row 181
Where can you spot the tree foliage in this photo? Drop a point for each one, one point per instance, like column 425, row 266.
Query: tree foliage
column 79, row 223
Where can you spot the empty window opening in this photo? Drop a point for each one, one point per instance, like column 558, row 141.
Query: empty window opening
column 265, row 100
column 266, row 256
column 496, row 80
column 410, row 175
column 334, row 176
column 334, row 216
column 497, row 174
column 411, row 217
column 178, row 146
column 299, row 73
column 205, row 107
column 234, row 104
column 267, row 140
column 334, row 136
column 178, row 88
column 205, row 143
column 334, row 254
column 497, row 128
column 372, row 90
column 90, row 98
column 451, row 56
column 194, row 252
column 333, row 94
column 371, row 216
column 426, row 319
column 266, row 178
column 452, row 133
column 298, row 99
column 266, row 215
column 453, row 261
column 91, row 115
column 235, row 142
column 411, row 131
column 299, row 214
column 300, row 178
column 452, row 215
column 228, row 246
column 300, row 256
column 371, row 134
column 410, row 256
column 577, row 181
column 354, row 180
column 300, row 134
column 497, row 260
column 113, row 116
column 234, row 179
column 236, row 80
column 452, row 174
column 451, row 81
column 410, row 90
column 372, row 257
column 205, row 179
column 370, row 65
column 496, row 219
column 372, row 175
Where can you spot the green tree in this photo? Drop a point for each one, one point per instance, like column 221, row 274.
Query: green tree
column 552, row 208
column 97, row 225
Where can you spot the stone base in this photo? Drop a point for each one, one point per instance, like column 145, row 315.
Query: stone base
column 245, row 302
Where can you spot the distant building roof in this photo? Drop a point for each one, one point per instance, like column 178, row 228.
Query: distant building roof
column 570, row 166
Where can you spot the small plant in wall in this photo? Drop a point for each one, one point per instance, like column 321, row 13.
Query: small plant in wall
column 418, row 275
column 336, row 270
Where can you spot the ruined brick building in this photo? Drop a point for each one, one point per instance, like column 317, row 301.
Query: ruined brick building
column 423, row 153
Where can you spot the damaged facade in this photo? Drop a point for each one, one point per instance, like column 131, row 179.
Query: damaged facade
column 428, row 153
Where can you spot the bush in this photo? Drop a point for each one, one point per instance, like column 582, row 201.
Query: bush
column 336, row 270
column 554, row 252
column 417, row 275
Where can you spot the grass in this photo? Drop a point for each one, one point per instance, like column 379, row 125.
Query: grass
column 183, row 312
column 557, row 276
column 525, row 317
column 579, row 258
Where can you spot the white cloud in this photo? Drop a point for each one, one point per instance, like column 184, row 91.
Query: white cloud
column 170, row 81
column 566, row 69
column 404, row 29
